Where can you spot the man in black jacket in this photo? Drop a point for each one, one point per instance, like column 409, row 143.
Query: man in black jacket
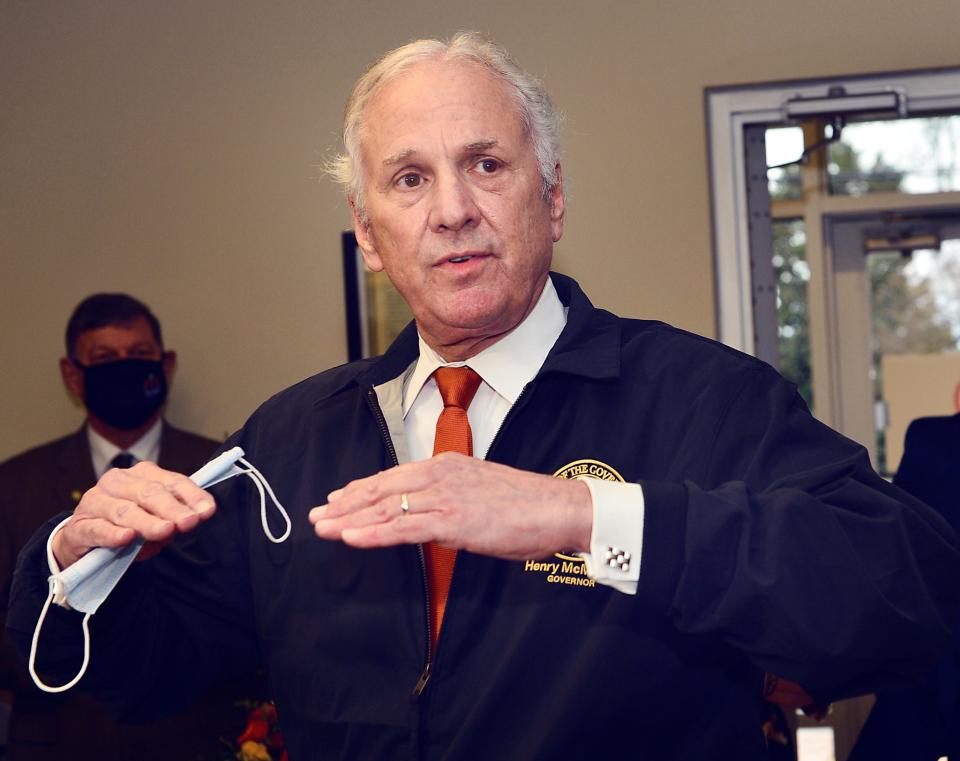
column 649, row 522
column 922, row 722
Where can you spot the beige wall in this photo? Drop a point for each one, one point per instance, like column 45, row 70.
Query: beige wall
column 171, row 149
column 917, row 385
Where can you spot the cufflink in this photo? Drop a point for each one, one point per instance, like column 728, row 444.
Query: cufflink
column 617, row 558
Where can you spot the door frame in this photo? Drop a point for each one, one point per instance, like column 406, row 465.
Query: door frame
column 729, row 110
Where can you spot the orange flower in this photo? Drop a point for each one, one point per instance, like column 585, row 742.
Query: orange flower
column 261, row 735
column 253, row 751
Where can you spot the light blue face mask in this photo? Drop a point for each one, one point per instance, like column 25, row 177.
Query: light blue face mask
column 86, row 584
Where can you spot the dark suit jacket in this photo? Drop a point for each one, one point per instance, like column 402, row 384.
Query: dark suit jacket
column 35, row 486
column 930, row 468
column 923, row 723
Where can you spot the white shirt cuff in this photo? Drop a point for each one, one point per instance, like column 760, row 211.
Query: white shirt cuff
column 617, row 537
column 59, row 596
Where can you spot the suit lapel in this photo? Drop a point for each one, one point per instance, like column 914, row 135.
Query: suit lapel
column 170, row 457
column 73, row 473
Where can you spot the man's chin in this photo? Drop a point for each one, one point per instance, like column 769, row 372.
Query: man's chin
column 477, row 327
column 477, row 318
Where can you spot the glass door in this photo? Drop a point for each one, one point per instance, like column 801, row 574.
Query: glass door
column 897, row 279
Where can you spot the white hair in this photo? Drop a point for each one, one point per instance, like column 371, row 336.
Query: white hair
column 537, row 113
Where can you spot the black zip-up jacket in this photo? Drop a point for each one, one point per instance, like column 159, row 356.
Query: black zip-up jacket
column 768, row 545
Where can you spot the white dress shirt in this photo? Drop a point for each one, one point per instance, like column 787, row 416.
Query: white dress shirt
column 147, row 447
column 506, row 368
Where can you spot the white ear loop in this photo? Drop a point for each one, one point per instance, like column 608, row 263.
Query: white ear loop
column 261, row 483
column 232, row 456
column 33, row 651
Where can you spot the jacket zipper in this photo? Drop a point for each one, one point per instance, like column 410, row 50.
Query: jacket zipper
column 424, row 678
column 374, row 405
column 514, row 406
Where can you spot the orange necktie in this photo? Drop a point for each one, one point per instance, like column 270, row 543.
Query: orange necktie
column 457, row 387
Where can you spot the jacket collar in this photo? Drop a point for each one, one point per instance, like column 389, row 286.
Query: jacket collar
column 395, row 361
column 589, row 345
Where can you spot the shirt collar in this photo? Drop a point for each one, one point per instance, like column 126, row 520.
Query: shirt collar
column 147, row 447
column 509, row 364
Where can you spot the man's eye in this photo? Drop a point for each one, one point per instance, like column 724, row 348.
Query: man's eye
column 410, row 180
column 488, row 166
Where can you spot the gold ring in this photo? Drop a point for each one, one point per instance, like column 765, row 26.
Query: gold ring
column 404, row 503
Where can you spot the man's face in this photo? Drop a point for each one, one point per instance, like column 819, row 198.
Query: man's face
column 454, row 208
column 131, row 340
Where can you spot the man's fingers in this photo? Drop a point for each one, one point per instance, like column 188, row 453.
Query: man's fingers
column 409, row 478
column 331, row 527
column 370, row 504
column 377, row 501
column 144, row 500
column 168, row 496
column 414, row 529
column 186, row 503
column 152, row 515
column 87, row 533
column 82, row 534
column 460, row 502
column 410, row 529
column 191, row 495
column 384, row 523
column 122, row 513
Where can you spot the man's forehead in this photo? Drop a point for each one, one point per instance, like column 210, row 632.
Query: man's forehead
column 475, row 108
column 117, row 334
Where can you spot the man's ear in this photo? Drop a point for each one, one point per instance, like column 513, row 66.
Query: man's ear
column 557, row 207
column 169, row 365
column 72, row 377
column 361, row 229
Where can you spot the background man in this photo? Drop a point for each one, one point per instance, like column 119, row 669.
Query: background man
column 117, row 367
column 922, row 723
column 621, row 528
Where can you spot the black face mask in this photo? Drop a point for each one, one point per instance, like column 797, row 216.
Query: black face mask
column 124, row 393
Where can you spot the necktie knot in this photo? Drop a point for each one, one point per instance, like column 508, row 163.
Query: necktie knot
column 122, row 460
column 457, row 385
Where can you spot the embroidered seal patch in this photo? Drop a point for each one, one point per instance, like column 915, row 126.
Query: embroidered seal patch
column 571, row 569
column 589, row 469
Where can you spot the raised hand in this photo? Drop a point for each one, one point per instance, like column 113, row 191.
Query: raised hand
column 462, row 502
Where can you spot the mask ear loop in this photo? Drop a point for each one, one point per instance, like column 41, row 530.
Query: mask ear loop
column 33, row 651
column 260, row 482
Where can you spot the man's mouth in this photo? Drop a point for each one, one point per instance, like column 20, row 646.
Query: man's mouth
column 464, row 257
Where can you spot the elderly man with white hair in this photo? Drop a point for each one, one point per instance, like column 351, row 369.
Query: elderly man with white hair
column 531, row 529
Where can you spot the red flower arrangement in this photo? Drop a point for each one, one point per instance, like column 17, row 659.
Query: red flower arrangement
column 261, row 740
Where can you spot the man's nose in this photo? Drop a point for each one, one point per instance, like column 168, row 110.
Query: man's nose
column 453, row 205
